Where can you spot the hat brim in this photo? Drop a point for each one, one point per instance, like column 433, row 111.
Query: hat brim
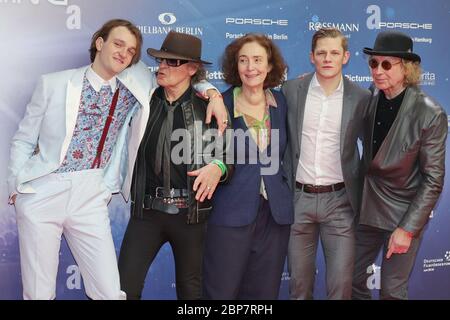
column 168, row 55
column 400, row 54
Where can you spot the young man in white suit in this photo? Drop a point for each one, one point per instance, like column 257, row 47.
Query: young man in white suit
column 66, row 161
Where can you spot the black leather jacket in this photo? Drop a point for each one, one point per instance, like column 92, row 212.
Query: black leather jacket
column 193, row 110
column 405, row 178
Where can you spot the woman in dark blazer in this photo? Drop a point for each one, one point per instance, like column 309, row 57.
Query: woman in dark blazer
column 248, row 230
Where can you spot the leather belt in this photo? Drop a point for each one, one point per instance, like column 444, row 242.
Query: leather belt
column 311, row 188
column 173, row 193
column 158, row 204
column 171, row 203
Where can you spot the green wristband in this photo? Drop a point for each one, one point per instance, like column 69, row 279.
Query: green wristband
column 221, row 165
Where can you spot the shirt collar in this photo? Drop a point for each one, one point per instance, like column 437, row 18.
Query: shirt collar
column 97, row 82
column 316, row 85
column 270, row 99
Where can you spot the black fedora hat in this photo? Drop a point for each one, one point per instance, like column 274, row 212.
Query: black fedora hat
column 394, row 44
column 178, row 45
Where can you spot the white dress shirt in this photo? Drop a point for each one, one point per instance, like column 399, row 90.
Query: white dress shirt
column 320, row 160
column 97, row 82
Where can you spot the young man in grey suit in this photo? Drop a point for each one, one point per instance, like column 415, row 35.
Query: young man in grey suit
column 324, row 121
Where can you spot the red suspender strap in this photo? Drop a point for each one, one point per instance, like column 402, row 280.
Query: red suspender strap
column 98, row 157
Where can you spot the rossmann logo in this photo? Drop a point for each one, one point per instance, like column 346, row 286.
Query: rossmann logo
column 315, row 24
column 374, row 21
column 257, row 21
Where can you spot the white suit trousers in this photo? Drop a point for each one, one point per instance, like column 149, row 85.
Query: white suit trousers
column 73, row 204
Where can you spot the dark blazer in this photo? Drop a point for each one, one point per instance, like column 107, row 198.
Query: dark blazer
column 355, row 101
column 405, row 178
column 236, row 203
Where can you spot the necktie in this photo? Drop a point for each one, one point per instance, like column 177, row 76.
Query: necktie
column 162, row 161
column 105, row 95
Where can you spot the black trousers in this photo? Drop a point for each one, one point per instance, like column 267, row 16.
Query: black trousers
column 247, row 262
column 142, row 242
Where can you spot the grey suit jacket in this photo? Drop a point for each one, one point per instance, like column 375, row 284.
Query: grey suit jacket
column 355, row 102
column 405, row 178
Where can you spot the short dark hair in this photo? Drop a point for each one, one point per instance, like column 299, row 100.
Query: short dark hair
column 105, row 30
column 328, row 33
column 230, row 60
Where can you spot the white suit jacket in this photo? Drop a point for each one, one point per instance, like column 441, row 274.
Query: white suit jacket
column 50, row 120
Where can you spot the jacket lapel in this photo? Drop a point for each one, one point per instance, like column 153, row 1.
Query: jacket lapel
column 275, row 124
column 274, row 118
column 73, row 96
column 348, row 107
column 371, row 123
column 137, row 90
column 141, row 84
column 395, row 132
column 302, row 92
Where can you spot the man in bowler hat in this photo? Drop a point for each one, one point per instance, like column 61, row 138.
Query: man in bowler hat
column 403, row 163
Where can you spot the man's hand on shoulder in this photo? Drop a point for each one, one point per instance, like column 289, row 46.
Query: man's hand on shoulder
column 217, row 108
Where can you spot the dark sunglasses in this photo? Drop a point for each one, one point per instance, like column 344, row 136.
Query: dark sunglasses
column 385, row 64
column 172, row 62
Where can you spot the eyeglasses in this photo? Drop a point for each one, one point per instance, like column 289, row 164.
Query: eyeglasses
column 172, row 62
column 385, row 64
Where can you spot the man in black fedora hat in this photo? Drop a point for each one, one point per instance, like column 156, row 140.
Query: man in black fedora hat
column 175, row 175
column 403, row 165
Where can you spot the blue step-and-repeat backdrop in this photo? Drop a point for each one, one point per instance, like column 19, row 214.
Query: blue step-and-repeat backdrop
column 42, row 36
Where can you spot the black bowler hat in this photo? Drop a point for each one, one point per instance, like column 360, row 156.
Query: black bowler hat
column 181, row 46
column 393, row 44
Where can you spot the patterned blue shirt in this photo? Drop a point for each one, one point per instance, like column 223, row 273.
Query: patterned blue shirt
column 92, row 114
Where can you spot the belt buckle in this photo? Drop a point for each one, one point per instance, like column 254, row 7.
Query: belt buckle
column 179, row 202
column 313, row 188
column 163, row 195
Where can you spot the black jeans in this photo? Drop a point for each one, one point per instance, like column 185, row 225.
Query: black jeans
column 142, row 241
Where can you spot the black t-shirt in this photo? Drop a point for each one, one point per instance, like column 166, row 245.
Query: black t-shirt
column 387, row 111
